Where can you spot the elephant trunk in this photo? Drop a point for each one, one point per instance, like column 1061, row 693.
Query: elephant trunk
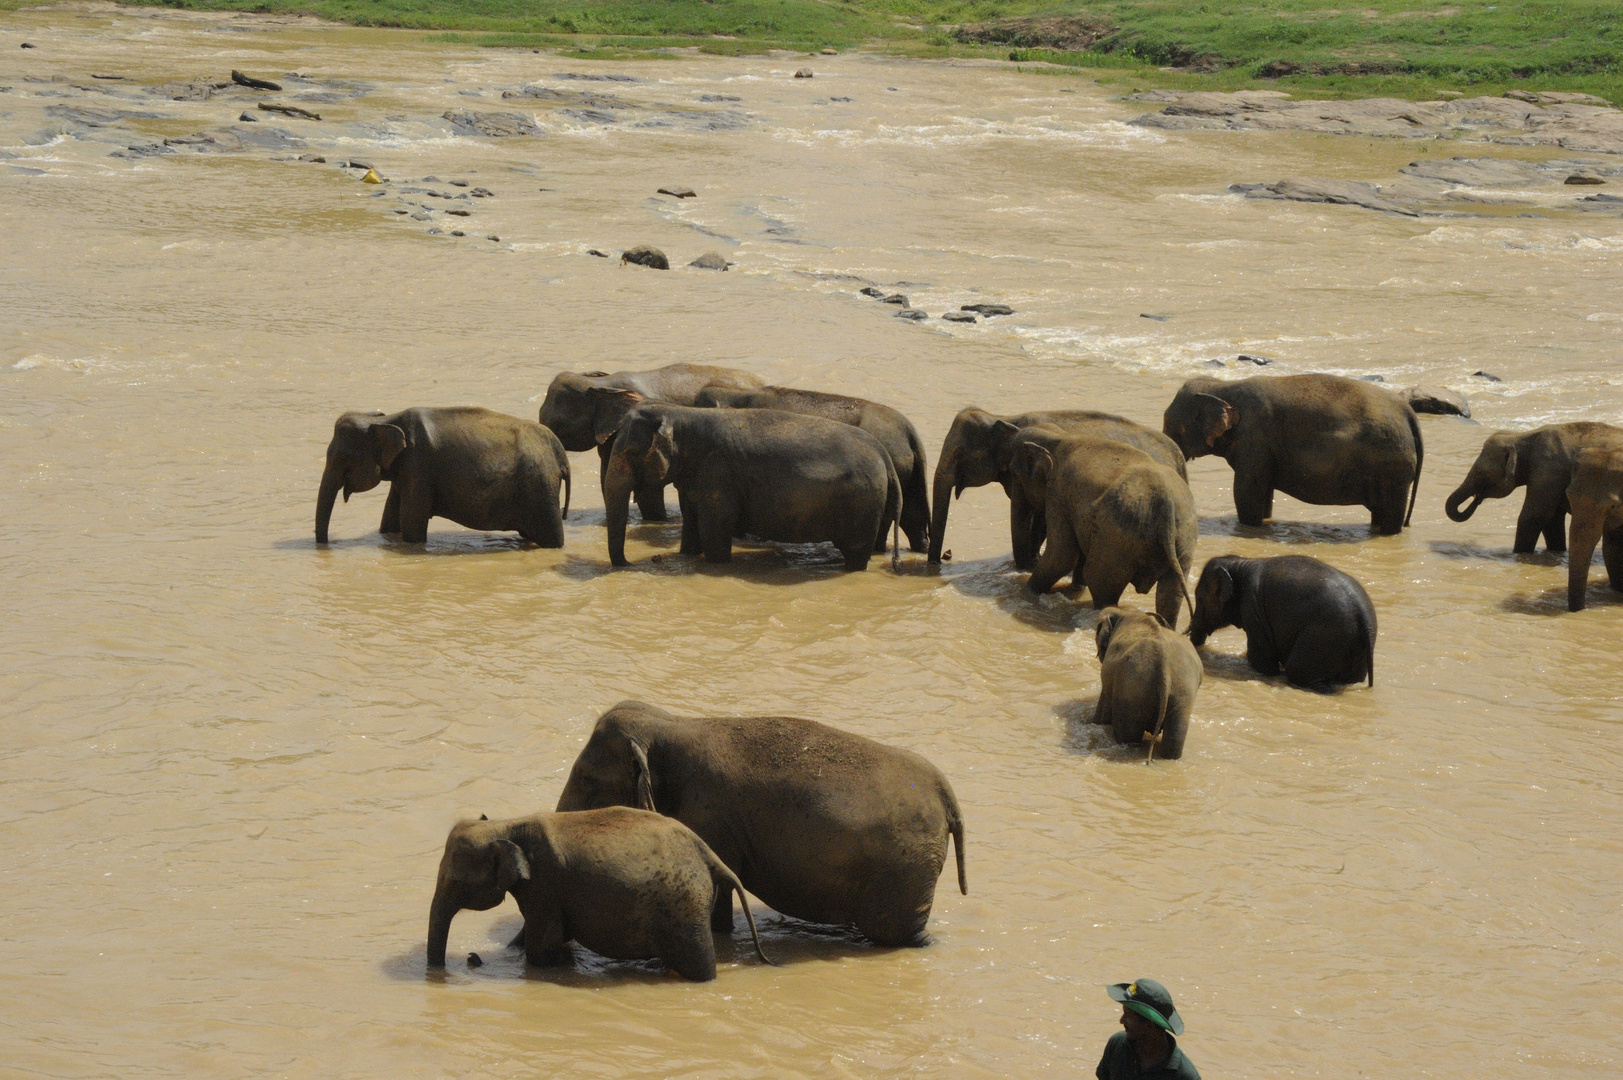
column 618, row 481
column 1461, row 493
column 1582, row 539
column 331, row 481
column 439, row 927
column 946, row 478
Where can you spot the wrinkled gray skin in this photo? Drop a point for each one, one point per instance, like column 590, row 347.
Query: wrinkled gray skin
column 1148, row 677
column 821, row 824
column 769, row 474
column 481, row 469
column 893, row 430
column 1115, row 517
column 1596, row 497
column 1322, row 439
column 624, row 883
column 1298, row 614
column 584, row 410
column 1543, row 461
column 976, row 452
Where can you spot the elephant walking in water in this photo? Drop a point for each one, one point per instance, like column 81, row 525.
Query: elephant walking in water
column 1596, row 497
column 976, row 452
column 1319, row 438
column 481, row 469
column 623, row 882
column 1148, row 675
column 1543, row 461
column 821, row 824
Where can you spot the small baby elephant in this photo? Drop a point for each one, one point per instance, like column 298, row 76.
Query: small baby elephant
column 1149, row 674
column 629, row 884
column 1297, row 613
column 481, row 469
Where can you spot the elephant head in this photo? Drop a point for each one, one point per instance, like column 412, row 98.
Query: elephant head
column 583, row 412
column 641, row 455
column 1216, row 599
column 1111, row 618
column 1196, row 420
column 613, row 769
column 1497, row 471
column 975, row 453
column 480, row 866
column 361, row 456
column 1030, row 468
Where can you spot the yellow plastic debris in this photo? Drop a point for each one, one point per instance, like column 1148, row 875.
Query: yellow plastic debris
column 371, row 177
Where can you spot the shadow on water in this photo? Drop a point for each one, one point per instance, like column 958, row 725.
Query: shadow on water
column 439, row 544
column 997, row 580
column 1287, row 532
column 760, row 562
column 1233, row 667
column 1459, row 550
column 1553, row 601
column 785, row 940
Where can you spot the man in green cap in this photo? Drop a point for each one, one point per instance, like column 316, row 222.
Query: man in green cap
column 1146, row 1049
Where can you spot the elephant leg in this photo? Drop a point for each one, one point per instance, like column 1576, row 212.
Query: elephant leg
column 1581, row 550
column 1021, row 519
column 1259, row 653
column 856, row 558
column 1612, row 551
column 1253, row 495
column 544, row 938
column 891, row 921
column 1105, row 710
column 651, row 502
column 721, row 915
column 1537, row 511
column 1555, row 533
column 416, row 507
column 1386, row 513
column 1057, row 559
column 717, row 523
column 690, row 955
column 543, row 517
column 691, row 543
column 391, row 512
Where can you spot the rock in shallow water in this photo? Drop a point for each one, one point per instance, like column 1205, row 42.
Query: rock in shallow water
column 643, row 255
column 894, row 298
column 1435, row 400
column 492, row 124
column 912, row 313
column 710, row 260
column 960, row 316
column 988, row 309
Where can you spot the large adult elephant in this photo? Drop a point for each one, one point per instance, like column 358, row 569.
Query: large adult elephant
column 762, row 472
column 821, row 824
column 976, row 452
column 1319, row 438
column 481, row 469
column 625, row 883
column 894, row 431
column 583, row 410
column 1596, row 497
column 1116, row 517
column 1542, row 460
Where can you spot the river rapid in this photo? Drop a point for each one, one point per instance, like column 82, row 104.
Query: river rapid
column 230, row 758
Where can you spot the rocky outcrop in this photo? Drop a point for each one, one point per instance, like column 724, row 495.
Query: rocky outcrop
column 643, row 255
column 1450, row 187
column 493, row 125
column 1435, row 400
column 1062, row 33
column 710, row 260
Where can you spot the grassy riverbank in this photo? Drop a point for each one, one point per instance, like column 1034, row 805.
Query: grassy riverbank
column 1410, row 48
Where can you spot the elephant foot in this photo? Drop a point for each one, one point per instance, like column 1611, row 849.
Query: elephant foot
column 518, row 940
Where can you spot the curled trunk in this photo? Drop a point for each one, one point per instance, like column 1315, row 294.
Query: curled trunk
column 331, row 481
column 439, row 929
column 1461, row 493
column 946, row 478
column 618, row 481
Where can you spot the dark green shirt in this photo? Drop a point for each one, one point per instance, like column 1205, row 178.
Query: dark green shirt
column 1121, row 1063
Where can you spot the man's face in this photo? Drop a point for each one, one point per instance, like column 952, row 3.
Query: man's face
column 1137, row 1027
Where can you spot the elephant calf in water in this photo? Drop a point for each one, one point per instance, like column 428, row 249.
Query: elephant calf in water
column 1148, row 677
column 1116, row 517
column 821, row 824
column 1542, row 460
column 624, row 883
column 1596, row 497
column 1297, row 613
column 481, row 469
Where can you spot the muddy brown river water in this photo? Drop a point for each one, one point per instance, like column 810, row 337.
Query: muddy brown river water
column 230, row 758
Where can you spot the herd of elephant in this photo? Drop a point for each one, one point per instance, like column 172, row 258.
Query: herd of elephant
column 663, row 818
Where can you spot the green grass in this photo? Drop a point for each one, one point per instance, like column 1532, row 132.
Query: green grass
column 1408, row 48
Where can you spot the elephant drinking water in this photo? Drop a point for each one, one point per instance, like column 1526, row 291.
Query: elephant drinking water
column 1542, row 460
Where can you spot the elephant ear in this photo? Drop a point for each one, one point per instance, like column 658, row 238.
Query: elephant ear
column 1224, row 582
column 623, row 401
column 1217, row 416
column 511, row 865
column 390, row 441
column 1510, row 460
column 594, row 374
column 1105, row 630
column 1034, row 463
column 660, row 452
column 1160, row 620
column 645, row 779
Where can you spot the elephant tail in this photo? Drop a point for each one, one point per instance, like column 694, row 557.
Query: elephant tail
column 1419, row 460
column 1175, row 565
column 1370, row 655
column 1154, row 738
column 731, row 880
column 567, row 490
column 893, row 507
column 955, row 826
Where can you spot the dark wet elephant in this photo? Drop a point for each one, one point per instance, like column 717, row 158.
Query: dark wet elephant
column 893, row 430
column 1298, row 614
column 976, row 452
column 759, row 472
column 821, row 824
column 1596, row 497
column 1116, row 517
column 481, row 469
column 1542, row 460
column 1148, row 676
column 1322, row 439
column 625, row 883
column 584, row 410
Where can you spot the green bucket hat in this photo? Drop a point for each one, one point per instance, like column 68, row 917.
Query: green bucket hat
column 1150, row 1000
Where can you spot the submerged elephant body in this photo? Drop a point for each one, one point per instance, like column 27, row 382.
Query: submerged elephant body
column 585, row 409
column 1322, row 439
column 893, row 430
column 480, row 469
column 1543, row 461
column 762, row 472
column 1298, row 614
column 1148, row 676
column 1596, row 498
column 977, row 450
column 820, row 824
column 1115, row 517
column 625, row 883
